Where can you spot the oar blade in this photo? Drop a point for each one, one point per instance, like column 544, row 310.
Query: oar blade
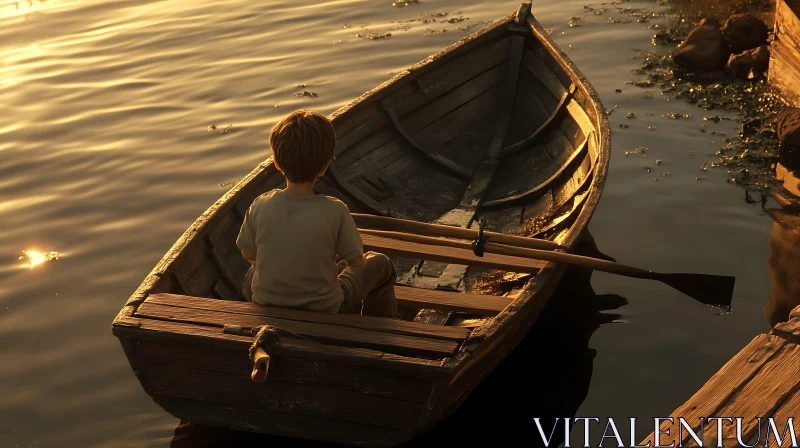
column 714, row 290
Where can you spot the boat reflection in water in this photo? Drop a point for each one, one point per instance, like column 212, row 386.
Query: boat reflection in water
column 784, row 265
column 547, row 376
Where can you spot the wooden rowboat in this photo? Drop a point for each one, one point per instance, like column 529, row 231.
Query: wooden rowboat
column 499, row 126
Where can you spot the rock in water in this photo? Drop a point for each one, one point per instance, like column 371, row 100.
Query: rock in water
column 755, row 61
column 744, row 32
column 704, row 50
column 788, row 126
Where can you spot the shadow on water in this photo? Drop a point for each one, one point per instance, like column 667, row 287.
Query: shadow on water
column 547, row 376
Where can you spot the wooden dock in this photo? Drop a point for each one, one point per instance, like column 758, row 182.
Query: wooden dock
column 762, row 380
column 784, row 64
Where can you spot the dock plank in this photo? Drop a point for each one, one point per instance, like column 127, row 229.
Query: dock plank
column 761, row 381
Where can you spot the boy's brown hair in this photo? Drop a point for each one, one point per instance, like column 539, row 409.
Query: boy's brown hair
column 303, row 143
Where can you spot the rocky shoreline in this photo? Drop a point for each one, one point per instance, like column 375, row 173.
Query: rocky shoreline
column 717, row 58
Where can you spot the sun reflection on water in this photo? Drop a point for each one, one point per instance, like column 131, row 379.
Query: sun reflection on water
column 35, row 258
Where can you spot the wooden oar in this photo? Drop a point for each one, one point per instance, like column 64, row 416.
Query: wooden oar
column 423, row 228
column 708, row 289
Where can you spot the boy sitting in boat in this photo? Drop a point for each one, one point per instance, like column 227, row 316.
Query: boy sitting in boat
column 292, row 237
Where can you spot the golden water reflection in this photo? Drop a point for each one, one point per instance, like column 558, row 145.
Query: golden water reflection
column 34, row 258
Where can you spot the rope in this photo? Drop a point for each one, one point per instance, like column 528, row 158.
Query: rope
column 267, row 335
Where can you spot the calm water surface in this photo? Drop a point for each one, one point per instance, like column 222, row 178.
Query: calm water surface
column 106, row 158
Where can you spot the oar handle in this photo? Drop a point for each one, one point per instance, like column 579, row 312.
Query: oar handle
column 422, row 228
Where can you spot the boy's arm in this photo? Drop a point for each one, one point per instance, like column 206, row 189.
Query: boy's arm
column 246, row 239
column 349, row 246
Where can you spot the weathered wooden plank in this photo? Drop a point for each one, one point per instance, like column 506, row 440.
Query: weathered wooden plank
column 463, row 215
column 529, row 168
column 365, row 380
column 787, row 27
column 558, row 145
column 427, row 88
column 537, row 134
column 789, row 408
column 459, row 71
column 237, row 389
column 184, row 333
column 788, row 330
column 575, row 181
column 762, row 395
column 534, row 64
column 784, row 71
column 352, row 112
column 427, row 114
column 329, row 334
column 279, row 423
column 581, row 118
column 408, row 249
column 536, row 191
column 445, row 132
column 225, row 291
column 357, row 195
column 229, row 261
column 348, row 320
column 528, row 101
column 196, row 272
column 456, row 98
column 484, row 305
column 727, row 382
column 432, row 155
column 423, row 228
column 506, row 104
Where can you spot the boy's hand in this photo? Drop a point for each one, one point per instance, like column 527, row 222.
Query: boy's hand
column 249, row 256
column 357, row 262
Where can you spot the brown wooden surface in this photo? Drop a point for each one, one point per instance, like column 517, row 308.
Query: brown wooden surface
column 385, row 383
column 178, row 332
column 784, row 64
column 236, row 389
column 760, row 381
column 378, row 222
column 484, row 305
column 527, row 196
column 408, row 249
column 348, row 320
column 528, row 141
column 279, row 423
column 432, row 154
column 328, row 334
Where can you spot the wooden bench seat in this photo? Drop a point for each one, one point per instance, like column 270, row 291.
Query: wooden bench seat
column 347, row 320
column 484, row 305
column 419, row 340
